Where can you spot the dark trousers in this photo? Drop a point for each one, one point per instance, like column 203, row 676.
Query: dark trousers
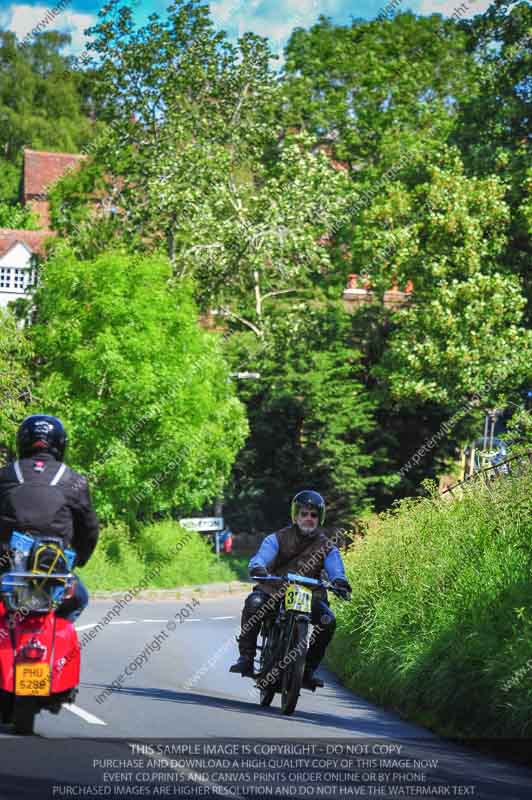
column 259, row 604
column 73, row 607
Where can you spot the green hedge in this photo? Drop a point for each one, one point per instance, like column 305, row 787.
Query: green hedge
column 440, row 623
column 161, row 555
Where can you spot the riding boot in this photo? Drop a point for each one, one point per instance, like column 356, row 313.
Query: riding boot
column 250, row 627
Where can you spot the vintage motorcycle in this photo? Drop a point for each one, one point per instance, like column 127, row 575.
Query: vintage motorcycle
column 284, row 640
column 39, row 652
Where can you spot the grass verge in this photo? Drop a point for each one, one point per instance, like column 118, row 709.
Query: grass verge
column 440, row 622
column 160, row 556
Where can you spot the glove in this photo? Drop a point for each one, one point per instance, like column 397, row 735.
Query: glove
column 343, row 586
column 258, row 572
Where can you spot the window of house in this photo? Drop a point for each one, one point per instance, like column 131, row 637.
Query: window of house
column 5, row 277
column 19, row 279
column 14, row 278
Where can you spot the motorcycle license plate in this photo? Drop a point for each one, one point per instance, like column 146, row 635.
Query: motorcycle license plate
column 298, row 598
column 32, row 679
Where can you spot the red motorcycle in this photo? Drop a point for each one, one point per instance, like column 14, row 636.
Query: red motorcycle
column 39, row 652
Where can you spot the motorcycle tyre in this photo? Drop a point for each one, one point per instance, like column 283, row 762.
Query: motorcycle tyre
column 293, row 673
column 268, row 642
column 24, row 713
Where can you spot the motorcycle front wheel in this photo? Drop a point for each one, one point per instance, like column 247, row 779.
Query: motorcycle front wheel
column 269, row 641
column 292, row 679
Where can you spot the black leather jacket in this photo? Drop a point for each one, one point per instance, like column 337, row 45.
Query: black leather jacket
column 42, row 495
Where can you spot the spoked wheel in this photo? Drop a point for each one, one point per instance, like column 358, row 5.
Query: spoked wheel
column 24, row 713
column 293, row 672
column 269, row 641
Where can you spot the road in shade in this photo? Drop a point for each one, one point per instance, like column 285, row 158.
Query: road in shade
column 159, row 715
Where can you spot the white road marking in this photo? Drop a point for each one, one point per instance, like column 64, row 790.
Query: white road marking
column 133, row 621
column 86, row 715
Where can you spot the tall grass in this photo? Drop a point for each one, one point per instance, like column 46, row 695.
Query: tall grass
column 161, row 555
column 440, row 623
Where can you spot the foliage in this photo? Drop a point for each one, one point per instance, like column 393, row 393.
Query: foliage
column 162, row 556
column 466, row 340
column 9, row 182
column 309, row 415
column 518, row 435
column 42, row 104
column 202, row 164
column 15, row 381
column 142, row 389
column 389, row 97
column 366, row 84
column 439, row 623
column 493, row 129
column 446, row 232
column 83, row 211
column 17, row 216
column 228, row 166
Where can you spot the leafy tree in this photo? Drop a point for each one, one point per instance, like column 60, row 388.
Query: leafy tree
column 201, row 165
column 245, row 241
column 493, row 130
column 42, row 104
column 447, row 233
column 388, row 97
column 309, row 415
column 16, row 388
column 370, row 82
column 142, row 388
column 17, row 216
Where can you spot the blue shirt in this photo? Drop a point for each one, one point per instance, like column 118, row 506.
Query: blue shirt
column 333, row 564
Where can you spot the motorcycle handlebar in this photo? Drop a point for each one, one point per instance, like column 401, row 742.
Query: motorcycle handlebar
column 341, row 593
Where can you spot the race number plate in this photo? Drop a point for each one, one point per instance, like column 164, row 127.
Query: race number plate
column 298, row 598
column 32, row 679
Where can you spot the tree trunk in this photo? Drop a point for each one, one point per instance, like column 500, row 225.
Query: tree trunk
column 258, row 296
column 170, row 243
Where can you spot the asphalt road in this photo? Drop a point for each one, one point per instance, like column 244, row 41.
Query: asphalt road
column 173, row 696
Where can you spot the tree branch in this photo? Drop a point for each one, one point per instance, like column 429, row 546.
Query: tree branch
column 239, row 104
column 246, row 322
column 202, row 247
column 280, row 291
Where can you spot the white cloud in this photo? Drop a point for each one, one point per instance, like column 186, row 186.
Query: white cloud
column 267, row 18
column 21, row 18
column 75, row 25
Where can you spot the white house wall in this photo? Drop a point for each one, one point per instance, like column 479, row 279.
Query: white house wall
column 19, row 257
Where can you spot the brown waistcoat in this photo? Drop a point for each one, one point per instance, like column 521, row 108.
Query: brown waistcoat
column 300, row 555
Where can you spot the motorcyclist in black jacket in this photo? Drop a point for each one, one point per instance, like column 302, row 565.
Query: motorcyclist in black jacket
column 39, row 494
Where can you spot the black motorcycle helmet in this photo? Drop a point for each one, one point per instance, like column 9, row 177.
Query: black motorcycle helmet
column 41, row 432
column 305, row 499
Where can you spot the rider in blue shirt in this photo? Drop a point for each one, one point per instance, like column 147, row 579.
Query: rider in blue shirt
column 304, row 548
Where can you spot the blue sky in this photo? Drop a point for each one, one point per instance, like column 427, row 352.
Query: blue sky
column 272, row 18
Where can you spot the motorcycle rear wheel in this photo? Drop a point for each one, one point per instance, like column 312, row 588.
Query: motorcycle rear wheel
column 293, row 673
column 24, row 713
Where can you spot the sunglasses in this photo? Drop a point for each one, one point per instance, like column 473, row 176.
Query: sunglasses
column 312, row 514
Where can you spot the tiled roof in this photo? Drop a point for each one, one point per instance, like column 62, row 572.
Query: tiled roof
column 41, row 169
column 34, row 240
